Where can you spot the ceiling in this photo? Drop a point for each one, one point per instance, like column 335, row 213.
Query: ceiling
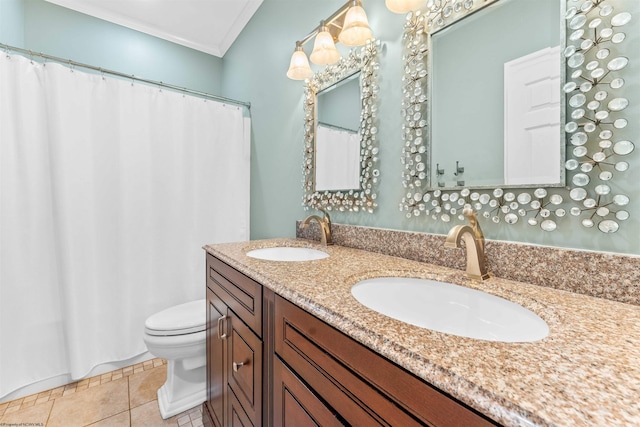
column 209, row 26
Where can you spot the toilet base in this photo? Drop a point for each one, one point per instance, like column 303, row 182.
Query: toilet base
column 183, row 391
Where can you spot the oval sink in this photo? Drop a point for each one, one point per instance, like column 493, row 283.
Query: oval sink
column 282, row 253
column 449, row 308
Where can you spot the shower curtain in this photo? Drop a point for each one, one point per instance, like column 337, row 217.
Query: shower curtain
column 108, row 190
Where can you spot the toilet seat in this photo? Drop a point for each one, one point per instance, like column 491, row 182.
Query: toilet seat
column 178, row 335
column 181, row 319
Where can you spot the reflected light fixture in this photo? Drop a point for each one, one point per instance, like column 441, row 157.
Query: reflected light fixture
column 403, row 6
column 349, row 25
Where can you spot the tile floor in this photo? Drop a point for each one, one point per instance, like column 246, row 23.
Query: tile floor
column 122, row 398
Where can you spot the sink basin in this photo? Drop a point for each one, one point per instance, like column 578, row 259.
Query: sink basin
column 449, row 308
column 282, row 253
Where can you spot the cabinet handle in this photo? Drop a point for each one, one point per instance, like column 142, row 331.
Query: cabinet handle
column 237, row 366
column 221, row 331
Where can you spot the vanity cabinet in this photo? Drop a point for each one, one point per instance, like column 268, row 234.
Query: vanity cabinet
column 270, row 363
column 354, row 381
column 234, row 347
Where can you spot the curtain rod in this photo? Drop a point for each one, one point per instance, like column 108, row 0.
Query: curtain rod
column 8, row 48
column 335, row 127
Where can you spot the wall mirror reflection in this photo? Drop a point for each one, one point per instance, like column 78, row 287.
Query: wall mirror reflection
column 495, row 105
column 337, row 137
column 593, row 115
column 341, row 147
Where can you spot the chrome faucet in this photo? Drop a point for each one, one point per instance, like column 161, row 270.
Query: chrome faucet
column 325, row 226
column 474, row 243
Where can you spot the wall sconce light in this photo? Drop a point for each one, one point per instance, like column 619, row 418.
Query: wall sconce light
column 403, row 6
column 324, row 49
column 348, row 25
column 355, row 30
column 299, row 68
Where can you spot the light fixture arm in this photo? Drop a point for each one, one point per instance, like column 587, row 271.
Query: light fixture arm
column 348, row 25
column 336, row 20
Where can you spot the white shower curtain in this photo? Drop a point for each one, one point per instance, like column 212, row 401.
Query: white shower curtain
column 108, row 190
column 337, row 159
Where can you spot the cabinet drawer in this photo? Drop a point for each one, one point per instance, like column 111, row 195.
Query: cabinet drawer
column 237, row 291
column 294, row 404
column 237, row 416
column 245, row 368
column 362, row 386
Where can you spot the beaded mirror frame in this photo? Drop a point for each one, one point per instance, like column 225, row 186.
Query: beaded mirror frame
column 363, row 199
column 594, row 113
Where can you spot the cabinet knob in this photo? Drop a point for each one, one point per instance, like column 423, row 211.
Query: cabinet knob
column 222, row 334
column 237, row 366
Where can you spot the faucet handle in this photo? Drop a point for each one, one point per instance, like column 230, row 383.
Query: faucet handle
column 472, row 216
column 326, row 228
column 325, row 216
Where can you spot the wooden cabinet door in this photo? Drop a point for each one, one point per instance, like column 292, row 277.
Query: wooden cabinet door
column 295, row 404
column 216, row 375
column 244, row 367
column 234, row 347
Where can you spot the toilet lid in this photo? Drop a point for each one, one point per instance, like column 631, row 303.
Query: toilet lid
column 178, row 320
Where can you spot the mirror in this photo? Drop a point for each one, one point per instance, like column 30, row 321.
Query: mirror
column 341, row 147
column 337, row 141
column 509, row 107
column 593, row 105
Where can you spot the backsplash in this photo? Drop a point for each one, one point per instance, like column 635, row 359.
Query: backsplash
column 603, row 275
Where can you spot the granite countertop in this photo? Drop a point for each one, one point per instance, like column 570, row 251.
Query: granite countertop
column 586, row 372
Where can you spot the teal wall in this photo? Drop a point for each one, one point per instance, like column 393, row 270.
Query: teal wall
column 255, row 67
column 254, row 70
column 340, row 105
column 12, row 22
column 44, row 27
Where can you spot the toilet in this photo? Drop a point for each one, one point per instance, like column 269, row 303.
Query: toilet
column 178, row 335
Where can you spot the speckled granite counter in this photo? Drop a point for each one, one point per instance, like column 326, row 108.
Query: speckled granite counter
column 585, row 373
